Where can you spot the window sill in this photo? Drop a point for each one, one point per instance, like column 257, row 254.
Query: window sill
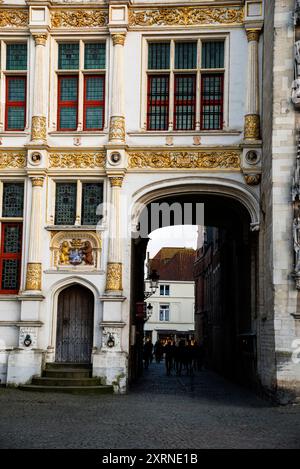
column 14, row 133
column 75, row 133
column 184, row 133
column 75, row 227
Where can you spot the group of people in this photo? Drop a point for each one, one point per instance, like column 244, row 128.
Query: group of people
column 183, row 356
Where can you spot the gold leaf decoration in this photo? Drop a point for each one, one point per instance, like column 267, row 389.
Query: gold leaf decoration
column 12, row 159
column 114, row 276
column 77, row 160
column 79, row 18
column 16, row 18
column 185, row 16
column 226, row 159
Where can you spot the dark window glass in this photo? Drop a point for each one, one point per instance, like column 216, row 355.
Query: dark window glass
column 213, row 54
column 158, row 102
column 15, row 102
column 67, row 102
column 10, row 259
column 185, row 55
column 185, row 102
column 212, row 102
column 13, row 200
column 94, row 103
column 159, row 55
column 65, row 205
column 94, row 56
column 16, row 57
column 92, row 196
column 68, row 56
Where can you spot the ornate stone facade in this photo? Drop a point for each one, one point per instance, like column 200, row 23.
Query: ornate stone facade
column 38, row 128
column 77, row 160
column 34, row 276
column 114, row 276
column 117, row 129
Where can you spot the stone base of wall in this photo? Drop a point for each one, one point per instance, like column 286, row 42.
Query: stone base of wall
column 22, row 365
column 112, row 368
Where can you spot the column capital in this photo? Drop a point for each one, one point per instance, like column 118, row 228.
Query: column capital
column 37, row 181
column 116, row 181
column 40, row 39
column 253, row 34
column 118, row 38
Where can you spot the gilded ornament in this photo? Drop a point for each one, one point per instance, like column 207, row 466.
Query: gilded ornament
column 226, row 159
column 116, row 181
column 252, row 179
column 117, row 128
column 253, row 34
column 185, row 16
column 34, row 276
column 12, row 159
column 252, row 127
column 114, row 276
column 37, row 182
column 38, row 128
column 79, row 18
column 14, row 18
column 40, row 39
column 82, row 160
column 118, row 39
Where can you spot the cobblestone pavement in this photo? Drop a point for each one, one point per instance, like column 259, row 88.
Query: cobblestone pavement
column 204, row 411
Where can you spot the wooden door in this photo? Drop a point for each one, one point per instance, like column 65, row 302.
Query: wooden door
column 75, row 322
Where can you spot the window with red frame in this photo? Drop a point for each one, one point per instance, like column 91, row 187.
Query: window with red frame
column 212, row 101
column 185, row 102
column 15, row 112
column 10, row 257
column 158, row 102
column 94, row 102
column 67, row 102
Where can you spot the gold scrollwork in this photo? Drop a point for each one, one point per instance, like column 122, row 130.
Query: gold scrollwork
column 38, row 128
column 252, row 127
column 118, row 39
column 114, row 276
column 185, row 16
column 12, row 159
column 79, row 18
column 226, row 159
column 14, row 18
column 77, row 160
column 34, row 276
column 117, row 128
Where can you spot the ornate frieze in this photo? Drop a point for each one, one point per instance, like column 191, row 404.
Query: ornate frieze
column 14, row 18
column 76, row 250
column 12, row 159
column 210, row 159
column 186, row 16
column 79, row 18
column 38, row 128
column 114, row 276
column 34, row 276
column 117, row 128
column 252, row 127
column 79, row 160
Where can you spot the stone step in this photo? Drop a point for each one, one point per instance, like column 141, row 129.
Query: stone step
column 46, row 381
column 68, row 389
column 67, row 373
column 58, row 366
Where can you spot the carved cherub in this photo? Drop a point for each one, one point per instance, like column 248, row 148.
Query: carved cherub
column 64, row 256
column 88, row 253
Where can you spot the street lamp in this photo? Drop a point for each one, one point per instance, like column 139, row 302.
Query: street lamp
column 149, row 311
column 154, row 279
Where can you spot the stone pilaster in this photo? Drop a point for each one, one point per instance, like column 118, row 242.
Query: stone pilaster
column 34, row 266
column 252, row 117
column 117, row 119
column 38, row 124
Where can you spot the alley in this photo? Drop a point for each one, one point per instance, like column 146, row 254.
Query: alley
column 204, row 411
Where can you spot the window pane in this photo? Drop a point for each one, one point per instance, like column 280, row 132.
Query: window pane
column 16, row 57
column 94, row 89
column 167, row 290
column 213, row 54
column 159, row 56
column 13, row 199
column 68, row 89
column 10, row 274
column 185, row 102
column 68, row 56
column 65, row 206
column 158, row 102
column 94, row 56
column 68, row 118
column 12, row 239
column 92, row 196
column 161, row 290
column 185, row 55
column 212, row 102
column 94, row 118
column 16, row 89
column 15, row 118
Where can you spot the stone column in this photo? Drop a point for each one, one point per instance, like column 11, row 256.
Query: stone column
column 38, row 125
column 252, row 118
column 114, row 263
column 117, row 119
column 34, row 265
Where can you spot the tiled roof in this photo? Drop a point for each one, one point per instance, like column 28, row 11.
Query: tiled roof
column 174, row 263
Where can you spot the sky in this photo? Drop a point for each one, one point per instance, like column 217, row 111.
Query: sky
column 172, row 236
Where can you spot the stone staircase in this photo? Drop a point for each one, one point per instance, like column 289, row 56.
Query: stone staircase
column 70, row 378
